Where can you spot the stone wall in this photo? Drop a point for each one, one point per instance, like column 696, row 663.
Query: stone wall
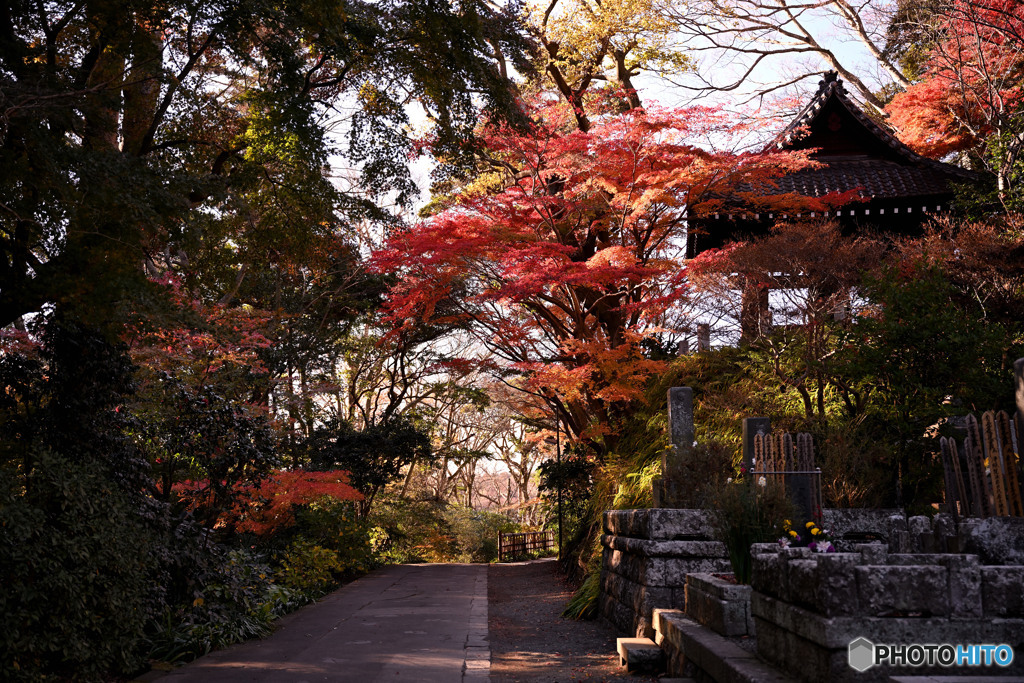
column 808, row 607
column 995, row 540
column 647, row 555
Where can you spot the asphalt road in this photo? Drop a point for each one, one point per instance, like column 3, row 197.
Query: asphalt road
column 425, row 623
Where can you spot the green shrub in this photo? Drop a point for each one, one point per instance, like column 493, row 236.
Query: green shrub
column 747, row 513
column 75, row 584
column 410, row 531
column 336, row 525
column 583, row 604
column 234, row 600
column 309, row 568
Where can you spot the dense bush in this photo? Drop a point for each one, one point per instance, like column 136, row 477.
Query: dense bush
column 373, row 456
column 309, row 568
column 199, row 434
column 231, row 598
column 406, row 530
column 100, row 568
column 747, row 512
column 76, row 577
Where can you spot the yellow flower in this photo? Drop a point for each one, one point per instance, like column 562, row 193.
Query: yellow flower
column 815, row 532
column 793, row 533
column 809, row 525
column 787, row 522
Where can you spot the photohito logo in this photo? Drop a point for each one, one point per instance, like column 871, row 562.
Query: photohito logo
column 863, row 654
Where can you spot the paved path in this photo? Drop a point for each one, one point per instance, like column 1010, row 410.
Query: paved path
column 425, row 623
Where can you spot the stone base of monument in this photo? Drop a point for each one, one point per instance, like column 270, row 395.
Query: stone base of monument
column 809, row 607
column 721, row 605
column 647, row 555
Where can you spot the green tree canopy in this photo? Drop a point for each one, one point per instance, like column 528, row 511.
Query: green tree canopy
column 138, row 137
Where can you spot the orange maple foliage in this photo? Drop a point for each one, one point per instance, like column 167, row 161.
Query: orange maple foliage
column 569, row 252
column 271, row 507
column 973, row 81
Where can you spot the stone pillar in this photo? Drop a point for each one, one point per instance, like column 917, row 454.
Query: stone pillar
column 680, row 418
column 703, row 337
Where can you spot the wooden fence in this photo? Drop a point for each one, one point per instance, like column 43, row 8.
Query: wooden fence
column 983, row 473
column 511, row 545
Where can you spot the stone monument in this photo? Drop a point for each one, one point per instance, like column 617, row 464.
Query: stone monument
column 671, row 489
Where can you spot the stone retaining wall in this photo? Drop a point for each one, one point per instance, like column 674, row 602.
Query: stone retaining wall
column 808, row 607
column 647, row 555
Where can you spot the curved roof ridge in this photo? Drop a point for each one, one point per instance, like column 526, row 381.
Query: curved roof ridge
column 831, row 85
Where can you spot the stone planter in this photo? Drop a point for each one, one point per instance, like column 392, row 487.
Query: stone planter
column 721, row 605
column 808, row 608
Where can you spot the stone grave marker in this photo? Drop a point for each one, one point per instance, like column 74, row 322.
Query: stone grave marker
column 670, row 488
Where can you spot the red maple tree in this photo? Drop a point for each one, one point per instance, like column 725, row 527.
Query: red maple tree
column 271, row 507
column 202, row 339
column 567, row 251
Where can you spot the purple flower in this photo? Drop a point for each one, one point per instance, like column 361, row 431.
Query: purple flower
column 813, row 546
column 831, row 548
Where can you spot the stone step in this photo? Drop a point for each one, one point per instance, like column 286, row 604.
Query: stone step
column 640, row 655
column 720, row 659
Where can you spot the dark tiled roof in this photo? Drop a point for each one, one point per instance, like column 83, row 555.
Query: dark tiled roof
column 875, row 178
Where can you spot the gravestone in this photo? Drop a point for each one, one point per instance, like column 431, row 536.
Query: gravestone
column 670, row 489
